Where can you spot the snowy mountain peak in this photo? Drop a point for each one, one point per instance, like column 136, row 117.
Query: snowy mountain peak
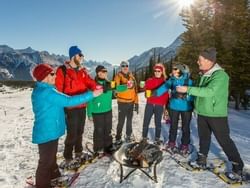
column 27, row 50
column 16, row 64
column 165, row 54
column 6, row 49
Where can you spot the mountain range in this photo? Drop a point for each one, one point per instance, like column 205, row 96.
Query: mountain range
column 17, row 64
column 165, row 54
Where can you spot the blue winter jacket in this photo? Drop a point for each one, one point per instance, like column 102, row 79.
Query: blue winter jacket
column 48, row 107
column 175, row 103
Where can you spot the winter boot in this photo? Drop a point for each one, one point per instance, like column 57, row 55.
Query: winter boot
column 118, row 142
column 201, row 161
column 184, row 150
column 236, row 174
column 157, row 142
column 144, row 139
column 237, row 167
column 234, row 177
column 82, row 157
column 128, row 139
column 171, row 148
column 111, row 149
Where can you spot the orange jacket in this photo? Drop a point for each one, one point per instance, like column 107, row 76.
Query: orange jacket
column 130, row 95
column 74, row 82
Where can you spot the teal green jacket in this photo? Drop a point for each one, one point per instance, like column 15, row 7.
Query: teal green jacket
column 103, row 103
column 211, row 93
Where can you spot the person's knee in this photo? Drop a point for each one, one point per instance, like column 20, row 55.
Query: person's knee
column 46, row 163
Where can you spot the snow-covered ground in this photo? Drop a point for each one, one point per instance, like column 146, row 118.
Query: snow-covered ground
column 18, row 156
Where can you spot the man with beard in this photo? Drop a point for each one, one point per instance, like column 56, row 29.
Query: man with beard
column 73, row 79
column 127, row 102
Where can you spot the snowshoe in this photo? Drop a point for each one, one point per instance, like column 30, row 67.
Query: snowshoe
column 73, row 164
column 64, row 181
column 158, row 142
column 83, row 158
column 234, row 177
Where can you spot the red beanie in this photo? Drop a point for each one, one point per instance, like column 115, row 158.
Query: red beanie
column 41, row 71
column 158, row 67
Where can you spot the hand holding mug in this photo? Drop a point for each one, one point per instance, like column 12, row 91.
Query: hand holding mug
column 98, row 91
column 112, row 84
column 148, row 93
column 181, row 89
column 130, row 83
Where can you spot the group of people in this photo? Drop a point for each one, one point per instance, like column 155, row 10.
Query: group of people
column 63, row 97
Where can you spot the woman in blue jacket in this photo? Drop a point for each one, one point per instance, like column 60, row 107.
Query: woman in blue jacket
column 179, row 105
column 48, row 107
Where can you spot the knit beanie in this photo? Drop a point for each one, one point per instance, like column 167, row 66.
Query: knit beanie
column 124, row 63
column 74, row 50
column 100, row 68
column 209, row 54
column 158, row 67
column 41, row 71
column 180, row 67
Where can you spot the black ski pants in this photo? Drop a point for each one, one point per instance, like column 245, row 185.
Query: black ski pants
column 125, row 111
column 102, row 131
column 75, row 120
column 218, row 126
column 185, row 118
column 47, row 167
column 151, row 109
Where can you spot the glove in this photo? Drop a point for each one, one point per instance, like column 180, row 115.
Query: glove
column 136, row 108
column 154, row 93
column 105, row 87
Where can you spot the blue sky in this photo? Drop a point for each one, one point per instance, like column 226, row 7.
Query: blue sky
column 111, row 30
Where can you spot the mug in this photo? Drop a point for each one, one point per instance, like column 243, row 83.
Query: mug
column 112, row 84
column 142, row 84
column 98, row 87
column 130, row 83
column 148, row 93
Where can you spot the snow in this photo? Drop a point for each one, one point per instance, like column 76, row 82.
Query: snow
column 19, row 156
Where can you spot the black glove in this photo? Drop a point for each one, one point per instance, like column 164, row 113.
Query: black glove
column 106, row 87
column 136, row 108
column 154, row 92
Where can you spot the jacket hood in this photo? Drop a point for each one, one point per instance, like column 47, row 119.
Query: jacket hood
column 213, row 69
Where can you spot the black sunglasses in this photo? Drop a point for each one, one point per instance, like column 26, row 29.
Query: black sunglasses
column 52, row 74
column 124, row 66
column 104, row 71
column 81, row 55
column 175, row 68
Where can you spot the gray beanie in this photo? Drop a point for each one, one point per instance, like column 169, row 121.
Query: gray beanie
column 209, row 53
column 180, row 67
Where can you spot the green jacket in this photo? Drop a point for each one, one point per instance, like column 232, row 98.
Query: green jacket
column 103, row 103
column 211, row 94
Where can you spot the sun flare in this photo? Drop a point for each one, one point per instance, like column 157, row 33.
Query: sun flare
column 185, row 3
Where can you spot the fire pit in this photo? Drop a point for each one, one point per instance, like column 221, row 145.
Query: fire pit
column 152, row 153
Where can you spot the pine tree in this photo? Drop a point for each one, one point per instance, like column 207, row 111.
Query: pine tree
column 223, row 24
column 114, row 73
column 199, row 35
column 150, row 67
column 159, row 58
